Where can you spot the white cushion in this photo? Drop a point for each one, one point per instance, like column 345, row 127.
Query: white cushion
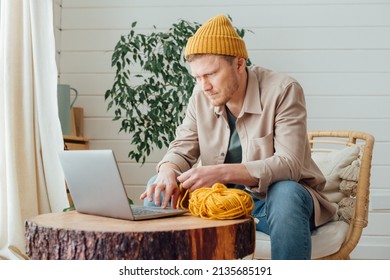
column 331, row 163
column 326, row 240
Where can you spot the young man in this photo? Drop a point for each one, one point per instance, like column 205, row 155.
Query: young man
column 247, row 126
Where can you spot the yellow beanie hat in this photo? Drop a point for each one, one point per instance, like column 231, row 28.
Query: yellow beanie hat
column 216, row 36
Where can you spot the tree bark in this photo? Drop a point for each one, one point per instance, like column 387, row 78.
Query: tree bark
column 71, row 235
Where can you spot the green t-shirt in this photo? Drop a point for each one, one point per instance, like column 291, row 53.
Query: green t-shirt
column 234, row 153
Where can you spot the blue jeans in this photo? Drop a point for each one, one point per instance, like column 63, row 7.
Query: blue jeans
column 286, row 216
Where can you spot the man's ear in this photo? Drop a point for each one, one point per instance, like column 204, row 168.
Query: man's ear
column 241, row 64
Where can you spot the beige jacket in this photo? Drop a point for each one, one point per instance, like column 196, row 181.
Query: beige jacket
column 272, row 131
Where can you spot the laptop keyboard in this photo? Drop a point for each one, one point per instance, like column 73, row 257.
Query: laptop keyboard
column 144, row 211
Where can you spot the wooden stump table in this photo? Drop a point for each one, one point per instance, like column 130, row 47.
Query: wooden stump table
column 71, row 235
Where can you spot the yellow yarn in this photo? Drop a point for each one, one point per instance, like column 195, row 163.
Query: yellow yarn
column 218, row 202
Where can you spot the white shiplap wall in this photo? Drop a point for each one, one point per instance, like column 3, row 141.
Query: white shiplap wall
column 338, row 50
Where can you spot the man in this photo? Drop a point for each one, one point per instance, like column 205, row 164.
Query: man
column 247, row 126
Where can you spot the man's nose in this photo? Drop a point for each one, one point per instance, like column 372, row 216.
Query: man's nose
column 206, row 85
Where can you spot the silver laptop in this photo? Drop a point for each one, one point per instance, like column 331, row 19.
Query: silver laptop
column 96, row 187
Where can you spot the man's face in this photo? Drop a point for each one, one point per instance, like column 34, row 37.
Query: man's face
column 218, row 78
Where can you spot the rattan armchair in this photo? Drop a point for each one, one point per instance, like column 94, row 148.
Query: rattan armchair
column 337, row 239
column 360, row 213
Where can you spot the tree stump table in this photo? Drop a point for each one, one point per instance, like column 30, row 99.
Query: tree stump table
column 72, row 235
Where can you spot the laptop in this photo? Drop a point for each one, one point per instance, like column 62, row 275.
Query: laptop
column 97, row 188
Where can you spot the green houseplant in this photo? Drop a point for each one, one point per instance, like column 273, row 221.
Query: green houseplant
column 152, row 85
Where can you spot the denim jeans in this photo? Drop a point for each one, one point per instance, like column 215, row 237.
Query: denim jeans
column 286, row 215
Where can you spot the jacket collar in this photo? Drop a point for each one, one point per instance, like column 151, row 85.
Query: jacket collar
column 252, row 104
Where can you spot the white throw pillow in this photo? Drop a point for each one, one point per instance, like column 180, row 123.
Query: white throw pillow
column 331, row 163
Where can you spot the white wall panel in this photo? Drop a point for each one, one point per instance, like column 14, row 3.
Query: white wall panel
column 381, row 154
column 345, row 107
column 103, row 129
column 94, row 106
column 89, row 83
column 380, row 177
column 340, row 61
column 289, row 15
column 328, row 38
column 345, row 84
column 380, row 201
column 86, row 62
column 372, row 248
column 338, row 50
column 376, row 226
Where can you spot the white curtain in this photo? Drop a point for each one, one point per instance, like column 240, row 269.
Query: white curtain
column 31, row 179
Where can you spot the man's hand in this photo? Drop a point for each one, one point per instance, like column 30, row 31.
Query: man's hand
column 207, row 176
column 200, row 177
column 166, row 183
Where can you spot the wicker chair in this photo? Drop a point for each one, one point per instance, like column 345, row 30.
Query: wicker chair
column 338, row 238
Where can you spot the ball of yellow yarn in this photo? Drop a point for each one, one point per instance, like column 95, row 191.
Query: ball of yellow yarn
column 220, row 202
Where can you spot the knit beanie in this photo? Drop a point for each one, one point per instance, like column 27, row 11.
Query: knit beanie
column 216, row 36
